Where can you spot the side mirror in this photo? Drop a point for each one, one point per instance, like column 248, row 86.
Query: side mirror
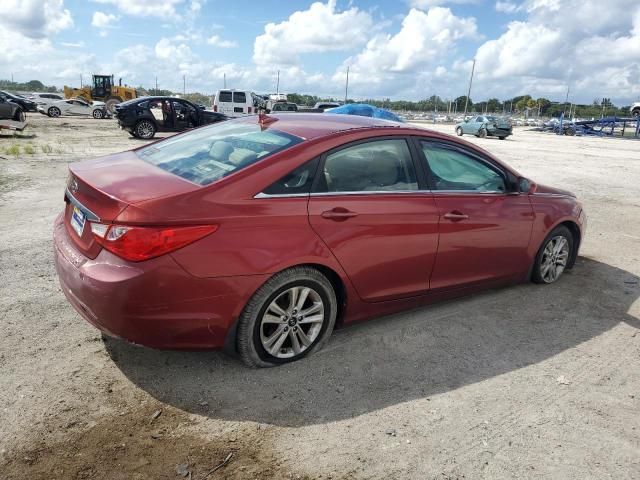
column 526, row 186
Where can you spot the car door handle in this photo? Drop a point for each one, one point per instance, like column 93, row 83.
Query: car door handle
column 338, row 214
column 455, row 216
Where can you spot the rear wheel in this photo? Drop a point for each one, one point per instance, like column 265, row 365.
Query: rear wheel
column 289, row 317
column 53, row 112
column 554, row 256
column 459, row 131
column 19, row 116
column 145, row 129
column 502, row 138
column 97, row 113
column 110, row 104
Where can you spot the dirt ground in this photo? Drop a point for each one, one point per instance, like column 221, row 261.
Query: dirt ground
column 523, row 382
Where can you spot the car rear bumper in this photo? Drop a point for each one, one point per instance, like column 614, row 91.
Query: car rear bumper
column 155, row 303
column 500, row 132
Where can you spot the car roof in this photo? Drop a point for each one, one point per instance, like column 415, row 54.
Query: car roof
column 314, row 125
column 152, row 97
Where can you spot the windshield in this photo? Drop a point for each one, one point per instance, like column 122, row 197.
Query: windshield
column 210, row 153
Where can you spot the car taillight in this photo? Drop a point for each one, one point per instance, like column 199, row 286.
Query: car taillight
column 143, row 243
column 215, row 108
column 248, row 109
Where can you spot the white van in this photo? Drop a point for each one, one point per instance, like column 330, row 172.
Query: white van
column 234, row 103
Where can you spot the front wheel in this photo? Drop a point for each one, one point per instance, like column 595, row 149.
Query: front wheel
column 97, row 114
column 502, row 138
column 554, row 256
column 145, row 129
column 459, row 131
column 482, row 133
column 289, row 317
column 54, row 112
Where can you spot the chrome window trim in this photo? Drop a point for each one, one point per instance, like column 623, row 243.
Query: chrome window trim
column 88, row 213
column 471, row 192
column 280, row 195
column 370, row 192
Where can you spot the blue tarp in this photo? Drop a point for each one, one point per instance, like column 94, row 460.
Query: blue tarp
column 365, row 110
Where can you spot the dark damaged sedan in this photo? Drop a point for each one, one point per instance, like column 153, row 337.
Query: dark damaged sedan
column 145, row 116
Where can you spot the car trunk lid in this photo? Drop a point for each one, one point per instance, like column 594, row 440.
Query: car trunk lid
column 99, row 190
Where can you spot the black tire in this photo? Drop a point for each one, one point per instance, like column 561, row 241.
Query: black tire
column 482, row 133
column 459, row 131
column 145, row 129
column 636, row 113
column 98, row 114
column 538, row 273
column 110, row 104
column 502, row 138
column 19, row 116
column 54, row 112
column 249, row 343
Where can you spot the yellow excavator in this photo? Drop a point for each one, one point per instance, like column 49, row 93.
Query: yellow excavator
column 103, row 89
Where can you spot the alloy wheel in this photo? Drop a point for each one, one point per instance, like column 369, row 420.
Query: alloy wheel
column 145, row 129
column 54, row 112
column 554, row 259
column 292, row 322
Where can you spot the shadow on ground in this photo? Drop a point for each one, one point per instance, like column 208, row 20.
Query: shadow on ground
column 394, row 359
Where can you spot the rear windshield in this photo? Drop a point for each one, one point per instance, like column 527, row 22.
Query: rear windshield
column 239, row 97
column 224, row 96
column 210, row 153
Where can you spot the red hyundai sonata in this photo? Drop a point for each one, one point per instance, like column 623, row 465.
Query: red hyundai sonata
column 258, row 235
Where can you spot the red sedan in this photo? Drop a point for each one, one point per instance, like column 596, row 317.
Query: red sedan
column 260, row 234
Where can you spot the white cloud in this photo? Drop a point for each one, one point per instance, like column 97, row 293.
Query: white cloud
column 320, row 28
column 145, row 8
column 35, row 18
column 545, row 52
column 216, row 41
column 427, row 4
column 424, row 39
column 104, row 20
column 506, row 7
column 175, row 51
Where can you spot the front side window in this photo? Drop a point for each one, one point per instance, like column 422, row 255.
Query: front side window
column 382, row 165
column 211, row 153
column 452, row 169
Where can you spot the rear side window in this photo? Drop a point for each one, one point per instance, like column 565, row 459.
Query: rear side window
column 297, row 182
column 381, row 165
column 210, row 153
column 452, row 169
column 239, row 97
column 224, row 96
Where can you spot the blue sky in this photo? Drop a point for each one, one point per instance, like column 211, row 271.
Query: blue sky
column 407, row 49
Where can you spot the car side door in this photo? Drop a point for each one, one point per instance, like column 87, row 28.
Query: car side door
column 6, row 109
column 485, row 224
column 367, row 207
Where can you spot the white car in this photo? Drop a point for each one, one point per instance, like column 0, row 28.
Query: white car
column 73, row 106
column 44, row 97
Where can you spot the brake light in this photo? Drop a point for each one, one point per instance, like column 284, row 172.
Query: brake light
column 215, row 108
column 143, row 243
column 248, row 109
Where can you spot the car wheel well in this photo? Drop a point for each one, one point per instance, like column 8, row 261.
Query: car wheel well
column 575, row 233
column 230, row 344
column 336, row 283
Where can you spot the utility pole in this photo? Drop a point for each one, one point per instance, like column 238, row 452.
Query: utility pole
column 278, row 84
column 224, row 76
column 566, row 99
column 346, row 87
column 466, row 101
column 156, row 92
column 80, row 80
column 511, row 106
